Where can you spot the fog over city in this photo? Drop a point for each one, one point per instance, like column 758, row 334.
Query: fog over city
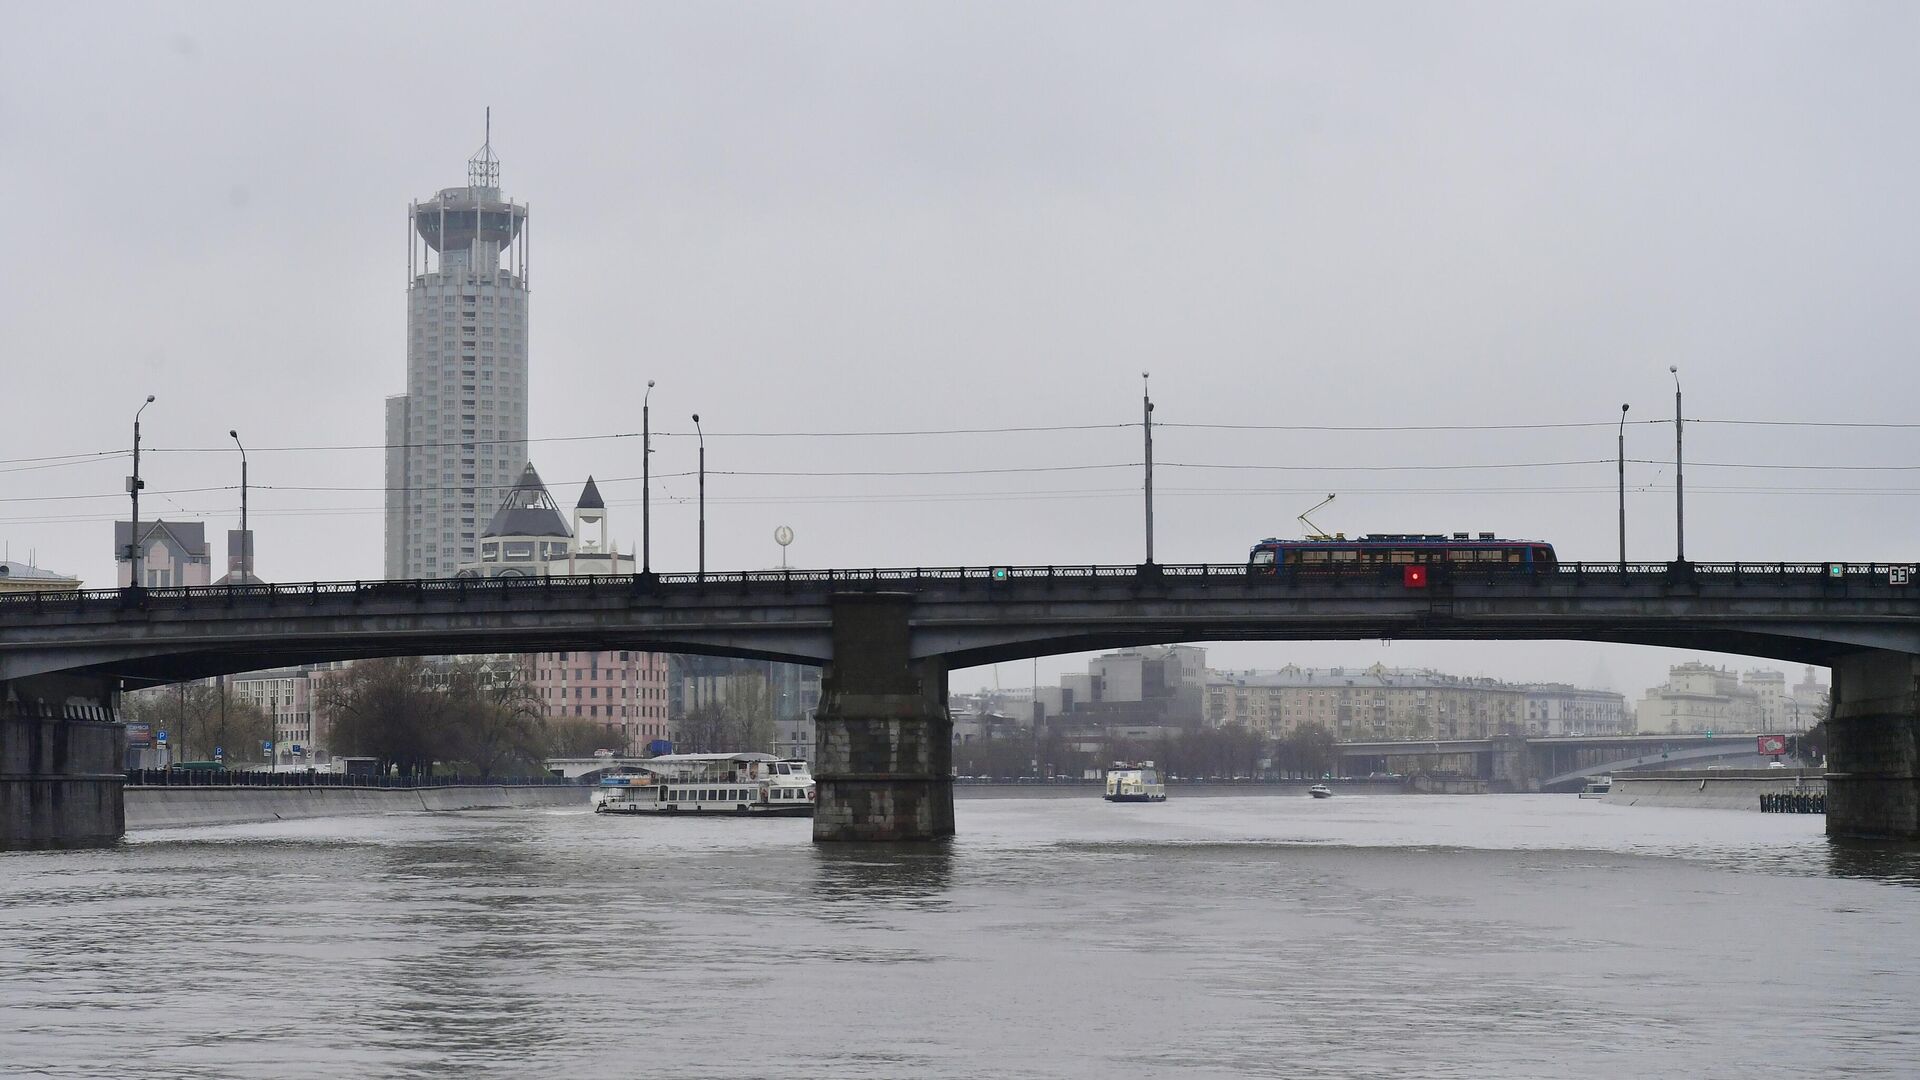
column 908, row 263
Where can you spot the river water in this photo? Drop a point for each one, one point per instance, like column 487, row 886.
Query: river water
column 1219, row 935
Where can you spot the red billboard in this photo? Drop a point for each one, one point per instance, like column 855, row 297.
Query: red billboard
column 1773, row 745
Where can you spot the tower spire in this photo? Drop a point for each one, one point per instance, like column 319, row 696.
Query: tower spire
column 483, row 169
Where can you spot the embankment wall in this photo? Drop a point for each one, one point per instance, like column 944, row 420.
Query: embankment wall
column 175, row 807
column 1715, row 790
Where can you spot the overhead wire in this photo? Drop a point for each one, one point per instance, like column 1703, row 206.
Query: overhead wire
column 933, row 432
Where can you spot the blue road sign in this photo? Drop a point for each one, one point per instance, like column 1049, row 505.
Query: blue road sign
column 219, row 753
column 161, row 738
column 296, row 750
column 266, row 745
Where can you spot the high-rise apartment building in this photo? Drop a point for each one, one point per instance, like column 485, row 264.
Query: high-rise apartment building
column 457, row 439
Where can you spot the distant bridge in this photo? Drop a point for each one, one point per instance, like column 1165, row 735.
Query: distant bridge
column 1551, row 763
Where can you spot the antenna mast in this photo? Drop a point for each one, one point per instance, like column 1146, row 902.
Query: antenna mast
column 483, row 169
column 1313, row 531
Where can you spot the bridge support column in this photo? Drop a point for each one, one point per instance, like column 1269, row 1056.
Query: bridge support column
column 1873, row 747
column 1511, row 765
column 61, row 762
column 883, row 736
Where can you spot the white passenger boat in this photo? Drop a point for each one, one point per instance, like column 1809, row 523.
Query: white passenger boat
column 1597, row 787
column 1135, row 783
column 1320, row 791
column 738, row 784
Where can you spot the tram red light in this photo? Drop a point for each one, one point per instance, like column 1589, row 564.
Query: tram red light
column 1414, row 577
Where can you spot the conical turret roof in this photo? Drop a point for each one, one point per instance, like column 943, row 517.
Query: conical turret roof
column 590, row 498
column 528, row 510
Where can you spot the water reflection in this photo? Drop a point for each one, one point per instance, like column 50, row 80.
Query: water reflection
column 916, row 875
column 1890, row 862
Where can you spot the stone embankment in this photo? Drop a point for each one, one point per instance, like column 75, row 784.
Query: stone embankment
column 1715, row 789
column 175, row 807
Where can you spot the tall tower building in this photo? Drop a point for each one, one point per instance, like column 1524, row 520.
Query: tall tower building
column 457, row 439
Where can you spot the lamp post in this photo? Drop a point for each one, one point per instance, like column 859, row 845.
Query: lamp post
column 702, row 436
column 1679, row 483
column 134, row 484
column 246, row 538
column 646, row 485
column 1146, row 423
column 1623, row 489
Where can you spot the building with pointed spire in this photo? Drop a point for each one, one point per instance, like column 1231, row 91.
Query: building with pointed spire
column 457, row 437
column 624, row 692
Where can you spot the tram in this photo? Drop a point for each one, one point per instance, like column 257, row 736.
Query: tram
column 1411, row 556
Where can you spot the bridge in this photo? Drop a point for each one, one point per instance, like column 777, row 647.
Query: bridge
column 1546, row 763
column 888, row 637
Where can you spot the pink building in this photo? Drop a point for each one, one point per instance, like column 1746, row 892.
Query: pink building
column 171, row 553
column 623, row 691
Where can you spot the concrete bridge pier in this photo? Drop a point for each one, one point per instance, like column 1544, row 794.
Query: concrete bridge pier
column 61, row 760
column 883, row 765
column 1873, row 747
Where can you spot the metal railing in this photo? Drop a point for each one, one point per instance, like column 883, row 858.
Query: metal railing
column 303, row 778
column 458, row 589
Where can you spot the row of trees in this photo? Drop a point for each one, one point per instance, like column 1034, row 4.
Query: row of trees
column 478, row 716
column 1228, row 751
column 199, row 718
column 472, row 715
column 742, row 720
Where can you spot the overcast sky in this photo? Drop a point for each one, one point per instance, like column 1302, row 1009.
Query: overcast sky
column 906, row 217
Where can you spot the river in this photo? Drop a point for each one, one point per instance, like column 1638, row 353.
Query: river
column 1216, row 935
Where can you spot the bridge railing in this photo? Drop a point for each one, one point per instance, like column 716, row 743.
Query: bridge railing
column 304, row 778
column 456, row 589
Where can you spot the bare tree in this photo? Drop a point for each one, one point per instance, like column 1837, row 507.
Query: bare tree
column 389, row 709
column 198, row 717
column 493, row 715
column 742, row 720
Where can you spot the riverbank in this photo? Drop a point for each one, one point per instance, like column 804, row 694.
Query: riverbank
column 1714, row 789
column 178, row 807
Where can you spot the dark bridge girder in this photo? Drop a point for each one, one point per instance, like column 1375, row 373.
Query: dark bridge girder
column 889, row 637
column 958, row 617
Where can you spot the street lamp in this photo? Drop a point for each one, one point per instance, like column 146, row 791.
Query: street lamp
column 246, row 538
column 1679, row 484
column 703, row 495
column 1623, row 489
column 646, row 485
column 1146, row 423
column 134, row 484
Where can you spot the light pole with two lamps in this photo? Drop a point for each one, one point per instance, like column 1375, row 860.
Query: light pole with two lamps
column 246, row 538
column 134, row 484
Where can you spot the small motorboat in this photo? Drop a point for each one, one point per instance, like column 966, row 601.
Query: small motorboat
column 1320, row 791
